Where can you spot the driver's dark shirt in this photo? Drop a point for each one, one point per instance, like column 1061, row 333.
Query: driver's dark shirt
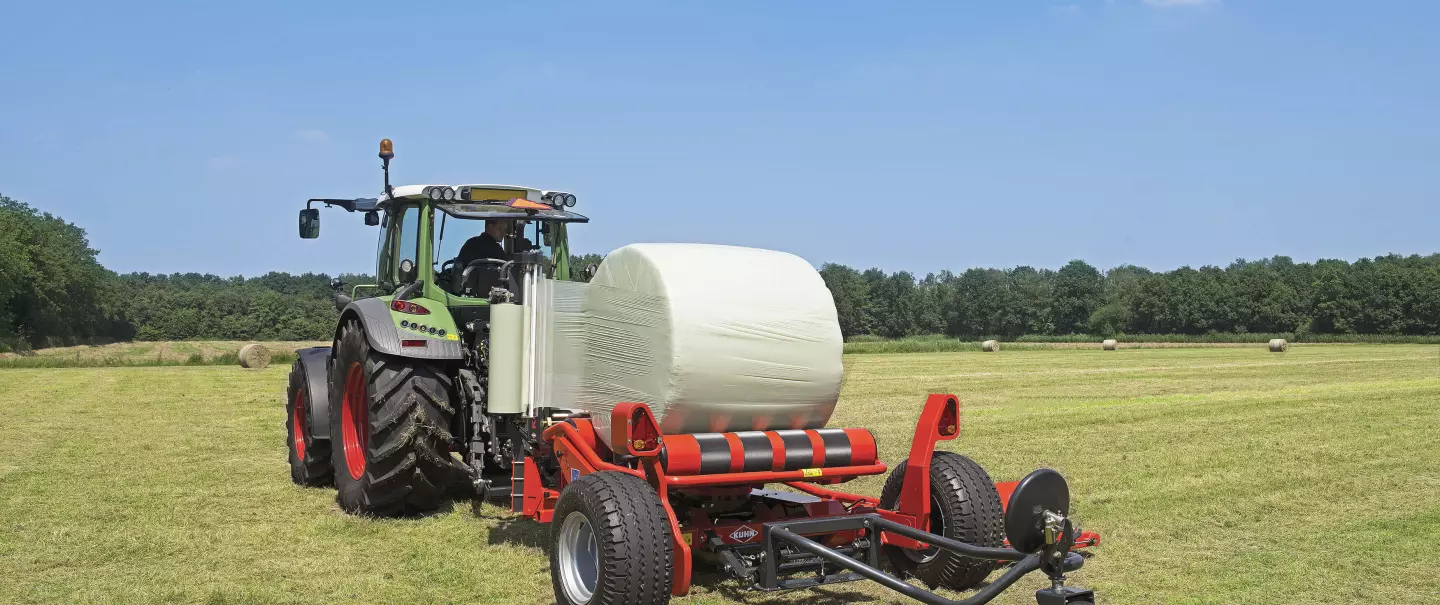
column 480, row 246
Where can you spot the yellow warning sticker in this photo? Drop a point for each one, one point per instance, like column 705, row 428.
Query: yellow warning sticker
column 452, row 337
column 688, row 538
column 810, row 472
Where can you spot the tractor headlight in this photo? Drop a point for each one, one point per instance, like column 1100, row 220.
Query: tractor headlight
column 432, row 192
column 448, row 194
column 569, row 200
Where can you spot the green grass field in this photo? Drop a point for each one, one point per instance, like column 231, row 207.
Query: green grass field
column 149, row 353
column 1218, row 475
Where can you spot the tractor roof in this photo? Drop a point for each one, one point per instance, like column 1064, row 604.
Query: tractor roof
column 483, row 192
column 491, row 201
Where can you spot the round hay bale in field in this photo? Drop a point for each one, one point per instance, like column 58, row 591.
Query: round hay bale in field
column 254, row 356
column 1279, row 345
column 990, row 346
column 1110, row 344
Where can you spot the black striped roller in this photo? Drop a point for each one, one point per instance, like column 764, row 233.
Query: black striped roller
column 754, row 451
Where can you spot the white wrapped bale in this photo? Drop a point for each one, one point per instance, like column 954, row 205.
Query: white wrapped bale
column 990, row 346
column 712, row 338
column 1109, row 344
column 1279, row 345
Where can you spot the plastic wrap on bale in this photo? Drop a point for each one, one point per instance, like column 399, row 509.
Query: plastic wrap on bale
column 712, row 338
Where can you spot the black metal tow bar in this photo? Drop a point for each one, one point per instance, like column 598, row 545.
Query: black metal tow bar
column 791, row 532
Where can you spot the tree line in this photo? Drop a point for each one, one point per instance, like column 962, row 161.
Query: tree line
column 54, row 292
column 1391, row 295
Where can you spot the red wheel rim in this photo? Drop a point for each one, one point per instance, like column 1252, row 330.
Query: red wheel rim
column 355, row 421
column 297, row 424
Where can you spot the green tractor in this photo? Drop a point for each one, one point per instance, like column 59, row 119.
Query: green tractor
column 411, row 402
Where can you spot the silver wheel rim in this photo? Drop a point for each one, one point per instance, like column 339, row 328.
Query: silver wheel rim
column 937, row 527
column 579, row 558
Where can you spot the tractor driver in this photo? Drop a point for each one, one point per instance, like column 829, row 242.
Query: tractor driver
column 490, row 244
column 487, row 245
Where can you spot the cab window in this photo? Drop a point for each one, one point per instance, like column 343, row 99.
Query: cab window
column 407, row 248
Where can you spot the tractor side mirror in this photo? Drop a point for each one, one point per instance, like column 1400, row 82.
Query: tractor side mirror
column 310, row 223
column 590, row 271
column 372, row 218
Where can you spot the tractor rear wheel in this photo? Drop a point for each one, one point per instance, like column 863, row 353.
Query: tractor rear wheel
column 612, row 543
column 963, row 506
column 389, row 430
column 309, row 455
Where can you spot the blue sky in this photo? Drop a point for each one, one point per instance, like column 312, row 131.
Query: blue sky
column 919, row 136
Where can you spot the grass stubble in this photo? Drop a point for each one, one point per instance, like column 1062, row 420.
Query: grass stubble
column 1215, row 475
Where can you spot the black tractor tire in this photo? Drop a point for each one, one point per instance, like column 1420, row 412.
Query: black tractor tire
column 309, row 455
column 620, row 550
column 966, row 507
column 389, row 430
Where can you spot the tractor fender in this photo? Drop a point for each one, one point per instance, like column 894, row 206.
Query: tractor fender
column 316, row 363
column 374, row 316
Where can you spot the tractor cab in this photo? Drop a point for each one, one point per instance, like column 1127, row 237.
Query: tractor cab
column 487, row 226
column 462, row 241
column 459, row 247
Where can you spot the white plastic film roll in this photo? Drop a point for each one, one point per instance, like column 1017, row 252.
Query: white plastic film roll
column 507, row 358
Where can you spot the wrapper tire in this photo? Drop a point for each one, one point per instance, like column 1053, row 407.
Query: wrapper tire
column 964, row 502
column 400, row 422
column 309, row 456
column 636, row 558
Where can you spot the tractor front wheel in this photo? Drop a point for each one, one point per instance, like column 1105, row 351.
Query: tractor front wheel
column 389, row 430
column 309, row 455
column 964, row 506
column 611, row 543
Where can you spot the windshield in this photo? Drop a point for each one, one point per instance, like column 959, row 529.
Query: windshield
column 462, row 241
column 451, row 235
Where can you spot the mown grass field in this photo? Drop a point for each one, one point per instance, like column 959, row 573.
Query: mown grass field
column 152, row 353
column 1221, row 475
